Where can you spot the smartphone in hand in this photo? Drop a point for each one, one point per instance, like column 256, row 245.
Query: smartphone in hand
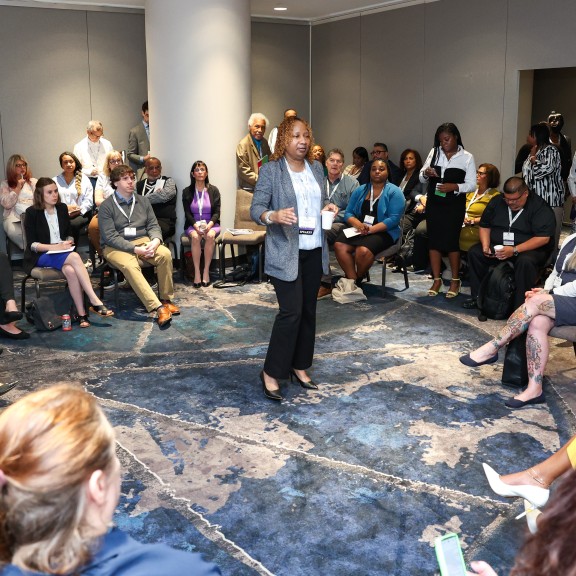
column 449, row 555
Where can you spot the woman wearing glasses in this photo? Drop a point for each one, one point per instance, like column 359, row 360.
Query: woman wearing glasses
column 102, row 190
column 487, row 180
column 16, row 195
column 49, row 246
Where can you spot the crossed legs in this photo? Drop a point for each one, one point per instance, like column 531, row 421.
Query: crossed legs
column 79, row 282
column 536, row 316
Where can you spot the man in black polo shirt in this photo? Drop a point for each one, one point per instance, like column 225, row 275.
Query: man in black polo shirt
column 524, row 225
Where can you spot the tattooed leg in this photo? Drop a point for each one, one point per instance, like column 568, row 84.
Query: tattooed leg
column 537, row 347
column 519, row 321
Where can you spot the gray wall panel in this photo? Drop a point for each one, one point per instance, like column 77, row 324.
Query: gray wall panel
column 118, row 78
column 44, row 93
column 392, row 80
column 280, row 70
column 336, row 74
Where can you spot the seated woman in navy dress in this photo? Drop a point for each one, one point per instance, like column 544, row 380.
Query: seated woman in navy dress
column 374, row 210
column 47, row 226
column 201, row 203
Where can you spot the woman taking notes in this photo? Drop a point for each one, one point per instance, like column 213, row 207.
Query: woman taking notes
column 288, row 198
column 47, row 227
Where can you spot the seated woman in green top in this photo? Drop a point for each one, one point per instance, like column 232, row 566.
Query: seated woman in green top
column 487, row 180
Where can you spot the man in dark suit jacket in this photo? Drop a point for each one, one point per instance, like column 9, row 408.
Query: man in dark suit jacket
column 380, row 152
column 139, row 143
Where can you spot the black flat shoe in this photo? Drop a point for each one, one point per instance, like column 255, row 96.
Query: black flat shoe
column 271, row 394
column 206, row 284
column 309, row 385
column 197, row 284
column 467, row 361
column 514, row 403
column 20, row 336
column 13, row 316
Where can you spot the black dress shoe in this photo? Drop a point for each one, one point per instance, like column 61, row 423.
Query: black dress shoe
column 18, row 336
column 6, row 387
column 514, row 403
column 467, row 361
column 470, row 304
column 197, row 284
column 271, row 394
column 309, row 385
column 206, row 284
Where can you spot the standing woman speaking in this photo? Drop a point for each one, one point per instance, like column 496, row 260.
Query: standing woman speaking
column 450, row 173
column 288, row 198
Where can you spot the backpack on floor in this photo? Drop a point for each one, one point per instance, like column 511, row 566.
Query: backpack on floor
column 496, row 293
column 406, row 251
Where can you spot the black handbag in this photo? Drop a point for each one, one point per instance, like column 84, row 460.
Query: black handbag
column 46, row 312
column 515, row 371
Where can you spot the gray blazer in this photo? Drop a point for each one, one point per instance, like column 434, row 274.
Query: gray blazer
column 138, row 147
column 274, row 191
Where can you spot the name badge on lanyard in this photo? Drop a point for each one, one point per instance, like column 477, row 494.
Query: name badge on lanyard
column 368, row 219
column 129, row 232
column 306, row 225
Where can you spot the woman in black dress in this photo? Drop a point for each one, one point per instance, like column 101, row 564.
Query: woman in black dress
column 450, row 173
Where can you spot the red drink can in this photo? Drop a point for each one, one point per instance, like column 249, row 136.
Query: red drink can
column 66, row 322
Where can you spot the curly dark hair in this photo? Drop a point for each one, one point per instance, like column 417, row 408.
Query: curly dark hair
column 285, row 135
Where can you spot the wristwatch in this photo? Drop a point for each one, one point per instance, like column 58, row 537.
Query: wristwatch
column 267, row 220
column 515, row 253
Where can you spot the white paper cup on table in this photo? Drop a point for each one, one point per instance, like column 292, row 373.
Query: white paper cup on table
column 327, row 219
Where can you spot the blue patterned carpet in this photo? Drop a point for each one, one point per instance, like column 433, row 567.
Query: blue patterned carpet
column 358, row 477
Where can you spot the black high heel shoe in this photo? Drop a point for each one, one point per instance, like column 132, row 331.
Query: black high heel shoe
column 309, row 385
column 271, row 394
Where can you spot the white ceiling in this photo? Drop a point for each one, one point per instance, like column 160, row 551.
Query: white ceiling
column 307, row 10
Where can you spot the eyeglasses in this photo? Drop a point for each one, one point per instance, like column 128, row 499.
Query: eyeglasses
column 21, row 165
column 374, row 152
column 116, row 161
column 478, row 173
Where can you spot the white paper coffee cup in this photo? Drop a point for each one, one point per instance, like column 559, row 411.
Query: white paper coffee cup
column 327, row 219
column 498, row 247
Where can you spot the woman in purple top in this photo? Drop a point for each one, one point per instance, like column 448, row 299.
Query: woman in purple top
column 202, row 210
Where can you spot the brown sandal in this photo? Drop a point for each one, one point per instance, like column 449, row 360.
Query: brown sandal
column 84, row 322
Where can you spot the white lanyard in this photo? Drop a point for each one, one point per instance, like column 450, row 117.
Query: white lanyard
column 301, row 182
column 91, row 152
column 330, row 194
column 128, row 216
column 512, row 220
column 472, row 201
column 200, row 202
column 372, row 201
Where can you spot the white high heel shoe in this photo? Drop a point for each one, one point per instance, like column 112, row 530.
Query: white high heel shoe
column 535, row 495
column 531, row 514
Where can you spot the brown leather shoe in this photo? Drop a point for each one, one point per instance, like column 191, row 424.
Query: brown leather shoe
column 174, row 310
column 163, row 316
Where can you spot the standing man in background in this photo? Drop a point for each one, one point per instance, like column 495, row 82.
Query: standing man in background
column 274, row 132
column 139, row 143
column 92, row 151
column 252, row 151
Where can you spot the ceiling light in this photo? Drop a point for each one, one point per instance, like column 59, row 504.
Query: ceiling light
column 280, row 8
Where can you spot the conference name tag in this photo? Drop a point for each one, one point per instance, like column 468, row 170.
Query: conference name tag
column 307, row 225
column 129, row 232
column 368, row 219
column 508, row 238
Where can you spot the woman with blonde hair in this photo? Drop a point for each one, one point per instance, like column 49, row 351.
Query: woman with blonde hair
column 16, row 195
column 59, row 486
column 102, row 190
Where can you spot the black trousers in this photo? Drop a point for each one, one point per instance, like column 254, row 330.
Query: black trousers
column 527, row 266
column 294, row 331
column 6, row 286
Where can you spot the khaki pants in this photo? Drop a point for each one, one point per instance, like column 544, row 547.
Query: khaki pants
column 128, row 264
